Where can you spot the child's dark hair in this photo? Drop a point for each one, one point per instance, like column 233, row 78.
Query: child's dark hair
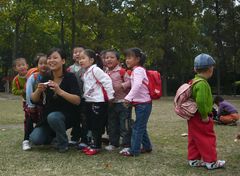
column 61, row 53
column 95, row 56
column 37, row 57
column 79, row 46
column 201, row 70
column 218, row 99
column 114, row 52
column 103, row 53
column 16, row 60
column 136, row 52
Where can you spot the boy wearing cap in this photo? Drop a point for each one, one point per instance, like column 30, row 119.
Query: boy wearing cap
column 201, row 135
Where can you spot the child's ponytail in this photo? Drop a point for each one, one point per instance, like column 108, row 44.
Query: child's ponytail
column 97, row 59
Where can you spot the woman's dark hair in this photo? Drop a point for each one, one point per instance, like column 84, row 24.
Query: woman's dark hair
column 96, row 57
column 61, row 53
column 37, row 57
column 114, row 52
column 136, row 52
column 218, row 99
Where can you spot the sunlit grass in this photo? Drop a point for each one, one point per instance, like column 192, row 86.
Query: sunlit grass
column 168, row 157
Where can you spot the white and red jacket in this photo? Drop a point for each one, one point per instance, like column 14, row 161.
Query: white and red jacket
column 92, row 90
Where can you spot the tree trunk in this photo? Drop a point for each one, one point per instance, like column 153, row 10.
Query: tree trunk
column 16, row 39
column 73, row 23
column 62, row 29
column 219, row 47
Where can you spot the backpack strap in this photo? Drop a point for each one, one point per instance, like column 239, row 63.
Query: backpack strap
column 17, row 82
column 35, row 75
column 105, row 96
column 192, row 82
column 122, row 72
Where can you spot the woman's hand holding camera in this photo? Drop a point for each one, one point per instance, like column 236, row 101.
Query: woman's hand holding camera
column 55, row 87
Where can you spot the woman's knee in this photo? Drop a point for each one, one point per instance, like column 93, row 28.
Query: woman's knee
column 55, row 117
column 36, row 137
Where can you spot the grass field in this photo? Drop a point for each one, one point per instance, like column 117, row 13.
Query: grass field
column 168, row 157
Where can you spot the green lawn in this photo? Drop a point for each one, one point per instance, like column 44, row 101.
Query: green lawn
column 168, row 157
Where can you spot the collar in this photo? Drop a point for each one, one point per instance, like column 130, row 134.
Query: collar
column 199, row 76
column 117, row 68
column 91, row 67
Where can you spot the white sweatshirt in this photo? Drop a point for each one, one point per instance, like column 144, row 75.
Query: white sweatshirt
column 92, row 90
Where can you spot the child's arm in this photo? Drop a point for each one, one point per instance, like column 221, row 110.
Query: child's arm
column 127, row 82
column 105, row 80
column 138, row 81
column 15, row 88
column 29, row 91
column 201, row 97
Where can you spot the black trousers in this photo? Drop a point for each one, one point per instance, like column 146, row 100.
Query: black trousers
column 96, row 114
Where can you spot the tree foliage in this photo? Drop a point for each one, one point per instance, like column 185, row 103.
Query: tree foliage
column 171, row 32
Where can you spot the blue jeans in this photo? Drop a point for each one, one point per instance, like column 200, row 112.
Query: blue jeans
column 44, row 134
column 119, row 124
column 139, row 129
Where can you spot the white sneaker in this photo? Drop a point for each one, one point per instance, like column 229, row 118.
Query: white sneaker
column 26, row 145
column 215, row 165
column 124, row 150
column 110, row 148
column 196, row 163
column 81, row 146
column 72, row 143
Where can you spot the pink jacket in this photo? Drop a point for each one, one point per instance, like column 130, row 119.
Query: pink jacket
column 139, row 92
column 121, row 83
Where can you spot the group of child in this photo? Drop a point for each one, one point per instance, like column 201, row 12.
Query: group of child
column 108, row 92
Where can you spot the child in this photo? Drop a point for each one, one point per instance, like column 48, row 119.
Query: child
column 201, row 135
column 119, row 117
column 33, row 111
column 78, row 131
column 18, row 87
column 227, row 113
column 76, row 55
column 139, row 97
column 97, row 91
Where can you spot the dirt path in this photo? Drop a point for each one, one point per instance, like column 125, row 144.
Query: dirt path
column 10, row 126
column 6, row 96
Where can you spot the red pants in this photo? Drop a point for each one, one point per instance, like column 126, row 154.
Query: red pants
column 201, row 140
column 227, row 119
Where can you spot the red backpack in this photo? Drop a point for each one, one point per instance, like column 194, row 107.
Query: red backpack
column 155, row 84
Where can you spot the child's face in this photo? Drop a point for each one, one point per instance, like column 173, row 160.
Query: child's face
column 132, row 61
column 210, row 72
column 42, row 64
column 55, row 61
column 111, row 60
column 85, row 61
column 76, row 53
column 21, row 67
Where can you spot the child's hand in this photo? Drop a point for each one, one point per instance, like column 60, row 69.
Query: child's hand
column 205, row 120
column 126, row 103
column 41, row 87
column 32, row 110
